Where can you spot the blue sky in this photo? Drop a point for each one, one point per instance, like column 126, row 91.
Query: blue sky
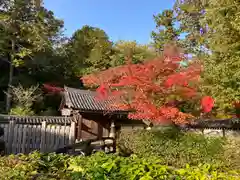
column 120, row 19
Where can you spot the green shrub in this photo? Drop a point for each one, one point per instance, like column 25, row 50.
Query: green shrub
column 100, row 166
column 171, row 146
column 23, row 167
column 232, row 153
column 21, row 111
column 103, row 167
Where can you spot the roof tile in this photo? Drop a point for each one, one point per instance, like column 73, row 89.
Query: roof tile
column 86, row 100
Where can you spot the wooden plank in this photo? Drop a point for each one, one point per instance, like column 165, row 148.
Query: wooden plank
column 28, row 144
column 14, row 142
column 43, row 136
column 47, row 138
column 94, row 129
column 34, row 137
column 79, row 128
column 66, row 134
column 58, row 137
column 99, row 131
column 32, row 141
column 10, row 135
column 31, row 138
column 72, row 132
column 62, row 136
column 86, row 129
column 6, row 136
column 52, row 137
column 38, row 137
column 24, row 138
column 20, row 136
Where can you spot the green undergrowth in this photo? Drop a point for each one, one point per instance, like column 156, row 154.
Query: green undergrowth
column 103, row 167
column 177, row 149
column 165, row 154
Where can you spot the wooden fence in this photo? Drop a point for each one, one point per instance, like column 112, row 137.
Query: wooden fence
column 26, row 134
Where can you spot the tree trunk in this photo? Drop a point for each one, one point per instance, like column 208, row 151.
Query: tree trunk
column 11, row 69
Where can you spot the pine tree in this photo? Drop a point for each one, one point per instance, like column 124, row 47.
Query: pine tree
column 189, row 14
column 166, row 31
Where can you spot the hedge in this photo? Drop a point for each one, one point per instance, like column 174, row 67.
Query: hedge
column 177, row 148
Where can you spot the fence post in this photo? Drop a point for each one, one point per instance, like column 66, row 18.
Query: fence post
column 43, row 136
column 79, row 127
column 223, row 132
column 10, row 136
column 72, row 132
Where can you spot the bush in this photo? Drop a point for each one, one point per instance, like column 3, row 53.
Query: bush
column 173, row 147
column 103, row 167
column 23, row 167
column 232, row 153
column 22, row 111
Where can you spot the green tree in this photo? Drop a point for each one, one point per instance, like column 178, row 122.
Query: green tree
column 23, row 100
column 189, row 14
column 221, row 67
column 89, row 50
column 166, row 29
column 26, row 28
column 138, row 52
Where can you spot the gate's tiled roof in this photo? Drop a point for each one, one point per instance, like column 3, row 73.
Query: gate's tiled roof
column 35, row 119
column 86, row 100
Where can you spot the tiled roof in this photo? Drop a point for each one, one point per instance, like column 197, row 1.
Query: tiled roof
column 86, row 100
column 35, row 119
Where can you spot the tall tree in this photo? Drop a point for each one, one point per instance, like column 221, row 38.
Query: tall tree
column 137, row 52
column 26, row 29
column 166, row 29
column 189, row 14
column 221, row 67
column 89, row 50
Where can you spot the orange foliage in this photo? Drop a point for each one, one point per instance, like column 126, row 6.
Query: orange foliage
column 146, row 88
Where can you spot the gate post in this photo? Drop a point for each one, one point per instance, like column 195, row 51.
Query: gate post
column 79, row 128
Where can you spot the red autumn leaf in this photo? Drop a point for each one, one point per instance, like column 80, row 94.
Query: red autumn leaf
column 207, row 104
column 102, row 92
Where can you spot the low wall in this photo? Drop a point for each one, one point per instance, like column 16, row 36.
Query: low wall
column 217, row 132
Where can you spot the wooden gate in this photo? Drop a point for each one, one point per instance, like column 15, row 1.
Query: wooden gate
column 90, row 128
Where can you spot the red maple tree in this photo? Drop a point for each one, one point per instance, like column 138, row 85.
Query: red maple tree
column 152, row 89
